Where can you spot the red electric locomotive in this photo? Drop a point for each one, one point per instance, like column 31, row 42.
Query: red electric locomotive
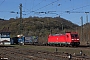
column 69, row 38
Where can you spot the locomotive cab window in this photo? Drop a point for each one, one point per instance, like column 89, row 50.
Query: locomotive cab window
column 74, row 35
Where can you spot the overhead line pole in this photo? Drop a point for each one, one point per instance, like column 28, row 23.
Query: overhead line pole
column 81, row 28
column 87, row 35
column 21, row 19
column 86, row 17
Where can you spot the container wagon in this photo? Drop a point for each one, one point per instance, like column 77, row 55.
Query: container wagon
column 32, row 40
column 67, row 39
column 14, row 40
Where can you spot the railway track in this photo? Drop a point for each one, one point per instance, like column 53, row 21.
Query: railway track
column 24, row 54
column 14, row 53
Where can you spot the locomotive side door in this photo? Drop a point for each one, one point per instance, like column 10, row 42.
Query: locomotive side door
column 68, row 38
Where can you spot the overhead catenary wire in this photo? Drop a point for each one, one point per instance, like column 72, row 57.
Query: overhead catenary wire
column 2, row 2
column 80, row 7
column 69, row 11
column 47, row 5
column 73, row 10
column 39, row 10
column 43, row 7
column 58, row 13
column 34, row 11
column 37, row 4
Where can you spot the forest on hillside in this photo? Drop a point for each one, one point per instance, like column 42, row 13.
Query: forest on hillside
column 42, row 26
column 34, row 25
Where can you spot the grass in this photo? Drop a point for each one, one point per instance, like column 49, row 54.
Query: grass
column 70, row 50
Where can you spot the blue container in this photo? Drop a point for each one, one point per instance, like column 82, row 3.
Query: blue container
column 21, row 39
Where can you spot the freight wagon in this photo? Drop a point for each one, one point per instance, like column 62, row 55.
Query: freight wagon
column 17, row 40
column 67, row 39
column 31, row 40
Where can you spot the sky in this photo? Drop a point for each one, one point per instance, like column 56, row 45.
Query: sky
column 71, row 10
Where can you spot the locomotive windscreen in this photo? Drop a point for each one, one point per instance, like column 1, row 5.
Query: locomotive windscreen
column 74, row 35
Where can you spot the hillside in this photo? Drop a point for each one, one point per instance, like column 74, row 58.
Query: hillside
column 42, row 27
column 37, row 25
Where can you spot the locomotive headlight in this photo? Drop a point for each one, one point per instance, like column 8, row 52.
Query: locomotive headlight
column 72, row 39
column 77, row 39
